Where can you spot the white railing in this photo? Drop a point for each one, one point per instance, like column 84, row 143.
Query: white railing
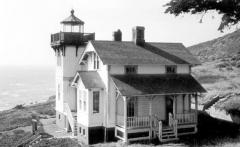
column 141, row 121
column 69, row 115
column 175, row 129
column 170, row 119
column 186, row 118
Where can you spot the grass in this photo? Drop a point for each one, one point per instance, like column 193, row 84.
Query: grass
column 22, row 116
column 211, row 132
column 207, row 79
column 61, row 142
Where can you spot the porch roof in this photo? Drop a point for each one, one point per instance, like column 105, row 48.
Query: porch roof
column 130, row 85
column 91, row 79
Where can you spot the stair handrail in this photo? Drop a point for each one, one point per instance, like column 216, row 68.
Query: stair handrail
column 170, row 119
column 69, row 115
column 155, row 121
column 175, row 122
column 160, row 130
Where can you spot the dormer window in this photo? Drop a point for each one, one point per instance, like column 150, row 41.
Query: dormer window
column 131, row 69
column 171, row 69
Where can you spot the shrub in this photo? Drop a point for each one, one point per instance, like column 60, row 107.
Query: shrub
column 20, row 106
column 17, row 132
column 234, row 112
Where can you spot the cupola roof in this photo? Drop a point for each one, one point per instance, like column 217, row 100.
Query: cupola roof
column 72, row 20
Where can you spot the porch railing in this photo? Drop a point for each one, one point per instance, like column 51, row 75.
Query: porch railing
column 138, row 121
column 185, row 118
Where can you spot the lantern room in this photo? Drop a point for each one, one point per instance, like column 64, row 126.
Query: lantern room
column 72, row 24
column 72, row 33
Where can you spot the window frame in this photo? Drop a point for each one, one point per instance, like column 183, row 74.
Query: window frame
column 135, row 67
column 84, row 105
column 171, row 66
column 80, row 130
column 59, row 94
column 132, row 107
column 96, row 61
column 96, row 102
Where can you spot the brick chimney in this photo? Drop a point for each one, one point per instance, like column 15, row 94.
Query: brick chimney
column 138, row 35
column 117, row 35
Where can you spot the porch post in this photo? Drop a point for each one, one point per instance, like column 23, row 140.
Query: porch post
column 150, row 116
column 125, row 119
column 196, row 107
column 174, row 106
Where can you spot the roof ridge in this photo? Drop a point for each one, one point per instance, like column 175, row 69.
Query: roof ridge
column 133, row 42
column 167, row 42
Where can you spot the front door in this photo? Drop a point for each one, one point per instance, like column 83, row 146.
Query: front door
column 169, row 106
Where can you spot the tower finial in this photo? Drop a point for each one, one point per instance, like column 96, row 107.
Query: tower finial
column 72, row 12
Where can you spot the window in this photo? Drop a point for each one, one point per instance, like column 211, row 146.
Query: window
column 84, row 105
column 171, row 69
column 80, row 130
column 59, row 116
column 83, row 131
column 59, row 59
column 131, row 69
column 96, row 95
column 59, row 92
column 132, row 107
column 80, row 104
column 95, row 61
column 80, row 99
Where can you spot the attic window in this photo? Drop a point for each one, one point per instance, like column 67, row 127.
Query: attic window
column 171, row 69
column 84, row 59
column 131, row 69
column 95, row 61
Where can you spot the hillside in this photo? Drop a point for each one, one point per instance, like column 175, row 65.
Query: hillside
column 220, row 70
column 227, row 46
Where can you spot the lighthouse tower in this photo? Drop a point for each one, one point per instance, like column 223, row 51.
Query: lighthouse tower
column 68, row 45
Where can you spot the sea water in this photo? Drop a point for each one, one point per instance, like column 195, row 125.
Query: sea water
column 25, row 85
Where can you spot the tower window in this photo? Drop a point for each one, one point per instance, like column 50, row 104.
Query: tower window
column 58, row 91
column 84, row 132
column 80, row 130
column 130, row 69
column 171, row 69
column 84, row 105
column 59, row 60
column 80, row 104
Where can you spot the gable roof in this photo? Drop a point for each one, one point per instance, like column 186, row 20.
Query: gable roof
column 132, row 85
column 128, row 53
column 91, row 79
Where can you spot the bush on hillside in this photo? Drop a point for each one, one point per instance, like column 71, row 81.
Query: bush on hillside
column 232, row 106
column 20, row 106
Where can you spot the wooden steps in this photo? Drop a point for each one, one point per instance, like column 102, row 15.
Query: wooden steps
column 167, row 135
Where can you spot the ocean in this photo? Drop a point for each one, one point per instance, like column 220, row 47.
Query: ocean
column 25, row 85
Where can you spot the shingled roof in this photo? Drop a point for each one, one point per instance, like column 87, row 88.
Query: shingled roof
column 132, row 85
column 91, row 79
column 128, row 53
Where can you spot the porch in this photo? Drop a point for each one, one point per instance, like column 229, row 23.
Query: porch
column 149, row 106
column 149, row 121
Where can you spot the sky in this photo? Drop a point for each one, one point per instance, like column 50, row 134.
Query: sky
column 26, row 25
